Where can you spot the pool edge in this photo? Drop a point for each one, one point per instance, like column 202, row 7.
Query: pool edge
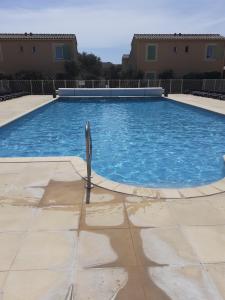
column 79, row 166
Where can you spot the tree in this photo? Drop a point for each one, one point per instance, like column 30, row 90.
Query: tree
column 72, row 69
column 90, row 66
column 168, row 74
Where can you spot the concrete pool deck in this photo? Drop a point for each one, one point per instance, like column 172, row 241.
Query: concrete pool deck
column 133, row 244
column 117, row 247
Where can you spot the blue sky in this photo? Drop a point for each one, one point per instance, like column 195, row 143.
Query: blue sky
column 106, row 27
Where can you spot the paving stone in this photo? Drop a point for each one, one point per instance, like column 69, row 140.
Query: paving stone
column 208, row 242
column 106, row 247
column 195, row 212
column 57, row 218
column 217, row 274
column 36, row 284
column 186, row 283
column 9, row 245
column 162, row 246
column 104, row 216
column 149, row 214
column 102, row 283
column 15, row 218
column 42, row 250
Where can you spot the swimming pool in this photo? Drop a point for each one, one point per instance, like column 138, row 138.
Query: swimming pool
column 153, row 143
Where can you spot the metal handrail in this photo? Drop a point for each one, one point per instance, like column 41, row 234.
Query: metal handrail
column 88, row 154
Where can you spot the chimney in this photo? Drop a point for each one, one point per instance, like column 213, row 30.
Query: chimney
column 25, row 33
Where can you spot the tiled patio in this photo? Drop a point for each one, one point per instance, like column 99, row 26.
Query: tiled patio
column 129, row 243
column 117, row 247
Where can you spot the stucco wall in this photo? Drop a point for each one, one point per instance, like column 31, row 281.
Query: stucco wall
column 13, row 60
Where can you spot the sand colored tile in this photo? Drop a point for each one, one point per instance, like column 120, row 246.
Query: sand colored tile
column 63, row 193
column 65, row 172
column 140, row 286
column 104, row 215
column 149, row 214
column 9, row 245
column 108, row 184
column 112, row 248
column 190, row 192
column 20, row 191
column 57, row 218
column 208, row 190
column 186, row 283
column 103, row 283
column 37, row 174
column 11, row 109
column 36, row 285
column 208, row 242
column 95, row 249
column 14, row 218
column 41, row 250
column 15, row 168
column 3, row 276
column 100, row 195
column 169, row 193
column 195, row 212
column 157, row 246
column 219, row 203
column 217, row 274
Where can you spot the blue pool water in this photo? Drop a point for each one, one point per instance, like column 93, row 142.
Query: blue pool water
column 158, row 142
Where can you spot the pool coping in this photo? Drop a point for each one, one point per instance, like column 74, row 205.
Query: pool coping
column 10, row 120
column 80, row 167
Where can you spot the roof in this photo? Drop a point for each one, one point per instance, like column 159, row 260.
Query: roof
column 36, row 36
column 180, row 36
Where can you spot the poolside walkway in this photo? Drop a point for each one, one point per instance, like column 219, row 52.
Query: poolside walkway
column 117, row 247
column 206, row 103
column 12, row 109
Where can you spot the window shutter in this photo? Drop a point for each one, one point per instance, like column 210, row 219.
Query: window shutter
column 66, row 52
column 151, row 52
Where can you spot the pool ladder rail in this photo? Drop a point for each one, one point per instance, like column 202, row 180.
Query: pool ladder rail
column 88, row 140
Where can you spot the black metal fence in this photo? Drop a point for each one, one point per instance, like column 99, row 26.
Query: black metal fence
column 173, row 86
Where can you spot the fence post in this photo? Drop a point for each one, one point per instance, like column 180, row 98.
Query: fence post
column 2, row 84
column 53, row 84
column 31, row 88
column 203, row 84
column 181, row 86
column 93, row 84
column 139, row 83
column 170, row 86
column 42, row 87
column 119, row 83
column 214, row 85
column 65, row 83
column 108, row 84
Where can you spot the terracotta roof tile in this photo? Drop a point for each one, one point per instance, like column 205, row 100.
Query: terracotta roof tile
column 179, row 36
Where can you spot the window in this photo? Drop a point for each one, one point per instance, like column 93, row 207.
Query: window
column 21, row 48
column 211, row 52
column 59, row 52
column 151, row 52
column 33, row 49
column 62, row 52
column 150, row 75
column 186, row 49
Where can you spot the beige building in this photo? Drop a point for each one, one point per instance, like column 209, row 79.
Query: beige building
column 154, row 54
column 45, row 53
